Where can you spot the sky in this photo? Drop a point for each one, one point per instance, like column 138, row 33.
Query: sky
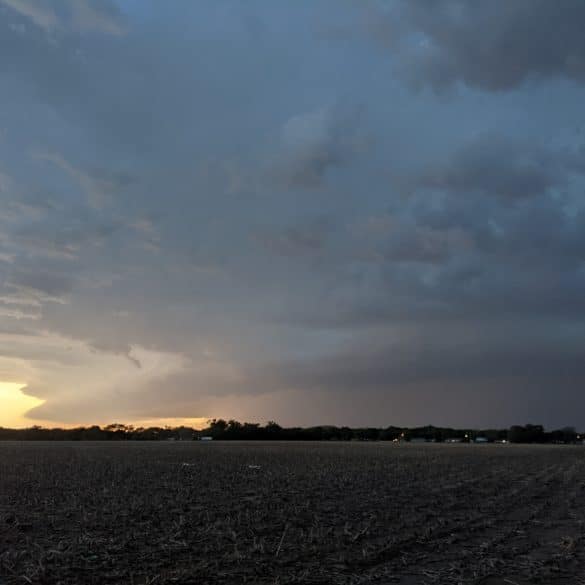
column 351, row 212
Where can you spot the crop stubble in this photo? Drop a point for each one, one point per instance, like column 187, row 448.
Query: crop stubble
column 277, row 513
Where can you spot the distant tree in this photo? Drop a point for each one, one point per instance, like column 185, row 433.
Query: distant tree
column 184, row 433
column 491, row 434
column 272, row 430
column 93, row 433
column 233, row 429
column 118, row 431
column 216, row 427
column 526, row 434
column 516, row 434
column 569, row 434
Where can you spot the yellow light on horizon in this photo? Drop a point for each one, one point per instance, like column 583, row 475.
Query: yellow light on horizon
column 14, row 404
column 195, row 422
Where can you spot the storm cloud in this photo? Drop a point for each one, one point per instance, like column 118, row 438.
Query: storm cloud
column 491, row 46
column 318, row 212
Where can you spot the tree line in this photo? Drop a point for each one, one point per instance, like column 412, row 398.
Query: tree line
column 223, row 430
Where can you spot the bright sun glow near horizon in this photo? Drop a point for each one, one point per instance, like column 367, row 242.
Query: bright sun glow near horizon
column 15, row 404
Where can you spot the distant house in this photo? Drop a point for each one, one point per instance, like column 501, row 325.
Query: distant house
column 206, row 438
column 454, row 440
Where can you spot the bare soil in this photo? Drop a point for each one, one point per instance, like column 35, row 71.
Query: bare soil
column 279, row 513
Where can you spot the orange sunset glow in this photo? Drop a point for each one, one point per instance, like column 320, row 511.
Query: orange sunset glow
column 15, row 405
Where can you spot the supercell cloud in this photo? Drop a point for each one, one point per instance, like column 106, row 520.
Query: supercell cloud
column 314, row 212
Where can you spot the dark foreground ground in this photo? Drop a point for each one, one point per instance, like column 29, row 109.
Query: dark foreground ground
column 291, row 513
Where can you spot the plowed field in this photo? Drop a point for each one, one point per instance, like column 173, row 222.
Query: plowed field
column 279, row 513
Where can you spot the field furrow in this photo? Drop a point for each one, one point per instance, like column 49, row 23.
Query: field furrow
column 311, row 513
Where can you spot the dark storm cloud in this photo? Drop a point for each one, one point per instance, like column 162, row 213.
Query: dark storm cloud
column 264, row 217
column 492, row 46
column 392, row 368
column 489, row 232
column 500, row 166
